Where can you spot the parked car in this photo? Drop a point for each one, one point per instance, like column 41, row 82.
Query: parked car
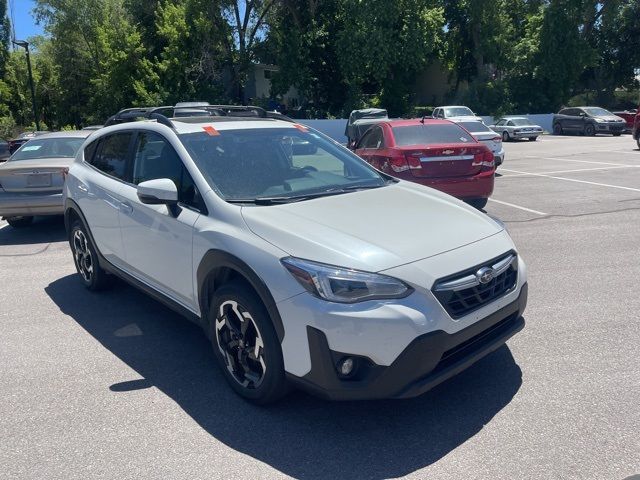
column 31, row 180
column 636, row 128
column 628, row 116
column 588, row 121
column 437, row 153
column 456, row 113
column 308, row 268
column 16, row 143
column 485, row 135
column 516, row 128
column 4, row 151
column 360, row 121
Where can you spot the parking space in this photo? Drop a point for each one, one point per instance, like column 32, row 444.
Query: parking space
column 114, row 385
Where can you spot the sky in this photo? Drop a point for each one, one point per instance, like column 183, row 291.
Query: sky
column 24, row 23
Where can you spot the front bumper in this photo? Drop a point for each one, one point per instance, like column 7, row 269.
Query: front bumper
column 426, row 362
column 610, row 127
column 29, row 204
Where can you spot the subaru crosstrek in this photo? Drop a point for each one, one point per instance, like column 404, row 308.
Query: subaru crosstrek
column 304, row 265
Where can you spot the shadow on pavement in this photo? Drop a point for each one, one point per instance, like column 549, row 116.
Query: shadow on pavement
column 42, row 230
column 301, row 436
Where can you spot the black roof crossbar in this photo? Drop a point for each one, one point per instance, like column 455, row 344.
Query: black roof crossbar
column 154, row 113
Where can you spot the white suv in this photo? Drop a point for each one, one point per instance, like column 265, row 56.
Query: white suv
column 304, row 265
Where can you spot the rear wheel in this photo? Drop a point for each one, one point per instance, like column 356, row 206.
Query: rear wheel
column 638, row 141
column 246, row 345
column 617, row 134
column 19, row 222
column 86, row 258
column 505, row 136
column 589, row 130
column 478, row 203
column 557, row 129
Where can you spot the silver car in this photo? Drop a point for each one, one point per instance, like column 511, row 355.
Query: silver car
column 512, row 128
column 489, row 137
column 31, row 180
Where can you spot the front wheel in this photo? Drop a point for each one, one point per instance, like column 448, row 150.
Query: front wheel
column 85, row 258
column 638, row 142
column 557, row 129
column 533, row 139
column 478, row 203
column 246, row 345
column 20, row 222
column 589, row 130
column 505, row 136
column 617, row 134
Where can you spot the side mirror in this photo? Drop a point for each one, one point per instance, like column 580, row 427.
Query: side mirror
column 582, row 114
column 161, row 191
column 304, row 148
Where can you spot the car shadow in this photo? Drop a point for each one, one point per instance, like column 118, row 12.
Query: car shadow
column 43, row 230
column 301, row 436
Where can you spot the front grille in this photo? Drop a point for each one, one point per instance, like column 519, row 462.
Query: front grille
column 462, row 293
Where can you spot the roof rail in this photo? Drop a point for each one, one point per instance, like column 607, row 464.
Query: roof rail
column 191, row 110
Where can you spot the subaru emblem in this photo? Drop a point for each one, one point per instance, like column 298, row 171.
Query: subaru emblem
column 484, row 275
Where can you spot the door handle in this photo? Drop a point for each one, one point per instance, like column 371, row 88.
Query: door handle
column 83, row 188
column 126, row 207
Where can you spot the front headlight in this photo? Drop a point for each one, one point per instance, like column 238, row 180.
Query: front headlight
column 344, row 285
column 600, row 120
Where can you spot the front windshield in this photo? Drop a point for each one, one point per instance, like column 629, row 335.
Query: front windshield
column 268, row 163
column 520, row 122
column 598, row 112
column 458, row 112
column 61, row 147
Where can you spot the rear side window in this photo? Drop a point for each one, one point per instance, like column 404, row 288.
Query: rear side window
column 111, row 157
column 373, row 138
column 90, row 150
column 430, row 134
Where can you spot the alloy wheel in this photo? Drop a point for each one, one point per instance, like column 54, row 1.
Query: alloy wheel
column 82, row 255
column 240, row 343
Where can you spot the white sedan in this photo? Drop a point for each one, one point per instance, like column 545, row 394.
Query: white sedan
column 512, row 128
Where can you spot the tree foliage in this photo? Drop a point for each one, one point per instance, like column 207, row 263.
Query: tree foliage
column 500, row 55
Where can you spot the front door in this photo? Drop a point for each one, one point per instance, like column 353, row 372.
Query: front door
column 158, row 240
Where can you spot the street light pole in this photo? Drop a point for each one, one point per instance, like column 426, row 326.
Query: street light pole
column 24, row 44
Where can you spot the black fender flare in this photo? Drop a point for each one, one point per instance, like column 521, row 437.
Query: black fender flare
column 215, row 259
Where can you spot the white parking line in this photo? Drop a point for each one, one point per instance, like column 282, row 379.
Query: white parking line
column 517, row 206
column 573, row 171
column 575, row 180
column 580, row 161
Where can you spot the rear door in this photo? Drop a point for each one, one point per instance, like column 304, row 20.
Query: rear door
column 158, row 240
column 98, row 191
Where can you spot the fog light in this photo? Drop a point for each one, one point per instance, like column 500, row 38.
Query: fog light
column 346, row 366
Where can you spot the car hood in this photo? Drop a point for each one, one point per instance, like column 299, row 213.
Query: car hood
column 465, row 118
column 611, row 118
column 371, row 229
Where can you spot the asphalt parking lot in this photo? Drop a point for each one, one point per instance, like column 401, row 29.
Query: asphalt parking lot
column 114, row 385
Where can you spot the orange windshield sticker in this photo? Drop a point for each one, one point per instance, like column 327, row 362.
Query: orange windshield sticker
column 302, row 128
column 210, row 130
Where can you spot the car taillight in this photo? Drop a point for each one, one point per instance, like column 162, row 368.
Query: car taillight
column 413, row 159
column 488, row 162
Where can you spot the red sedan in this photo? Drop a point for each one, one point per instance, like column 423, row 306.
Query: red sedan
column 435, row 153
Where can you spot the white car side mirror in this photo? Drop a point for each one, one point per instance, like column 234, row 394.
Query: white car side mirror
column 161, row 191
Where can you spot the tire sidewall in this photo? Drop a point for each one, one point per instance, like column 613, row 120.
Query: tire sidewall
column 557, row 129
column 273, row 385
column 589, row 130
column 93, row 283
column 505, row 136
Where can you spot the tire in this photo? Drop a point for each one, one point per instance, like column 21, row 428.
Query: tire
column 239, row 327
column 478, row 203
column 85, row 258
column 557, row 129
column 505, row 136
column 20, row 222
column 589, row 130
column 533, row 139
column 638, row 141
column 617, row 134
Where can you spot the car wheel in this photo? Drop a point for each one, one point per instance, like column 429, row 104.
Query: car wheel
column 617, row 134
column 246, row 345
column 505, row 136
column 589, row 130
column 638, row 141
column 85, row 258
column 478, row 203
column 557, row 129
column 533, row 139
column 19, row 222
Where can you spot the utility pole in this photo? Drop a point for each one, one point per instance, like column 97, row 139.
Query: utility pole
column 24, row 44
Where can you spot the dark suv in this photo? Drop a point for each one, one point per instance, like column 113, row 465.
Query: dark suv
column 636, row 128
column 588, row 121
